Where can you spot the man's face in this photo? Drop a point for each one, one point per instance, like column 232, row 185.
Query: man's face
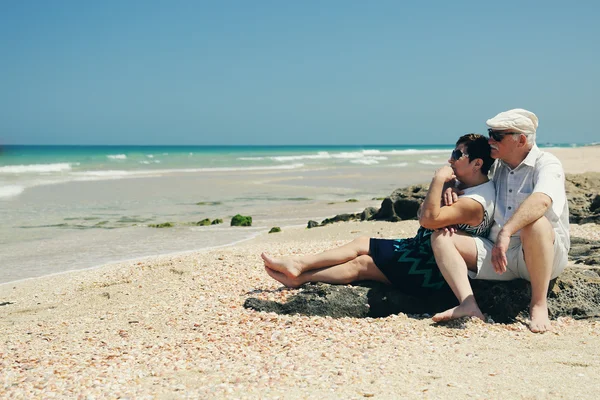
column 503, row 143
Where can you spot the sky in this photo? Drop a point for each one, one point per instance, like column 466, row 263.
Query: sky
column 283, row 73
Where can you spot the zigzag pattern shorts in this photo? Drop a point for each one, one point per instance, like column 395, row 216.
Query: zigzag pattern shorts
column 409, row 264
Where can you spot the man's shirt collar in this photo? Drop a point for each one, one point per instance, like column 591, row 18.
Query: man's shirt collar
column 530, row 160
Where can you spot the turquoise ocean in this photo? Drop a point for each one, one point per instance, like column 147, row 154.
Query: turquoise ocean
column 74, row 207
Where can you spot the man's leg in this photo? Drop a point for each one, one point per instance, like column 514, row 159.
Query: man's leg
column 361, row 268
column 292, row 267
column 538, row 248
column 454, row 253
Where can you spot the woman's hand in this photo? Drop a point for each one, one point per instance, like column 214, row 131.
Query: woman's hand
column 445, row 173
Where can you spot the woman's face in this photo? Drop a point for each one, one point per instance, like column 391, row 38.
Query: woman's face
column 459, row 161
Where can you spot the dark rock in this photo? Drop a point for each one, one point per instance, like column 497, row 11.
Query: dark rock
column 595, row 205
column 585, row 251
column 402, row 204
column 368, row 213
column 583, row 197
column 340, row 218
column 575, row 293
column 204, row 222
column 162, row 225
column 312, row 224
column 351, row 201
column 275, row 229
column 241, row 220
column 216, row 221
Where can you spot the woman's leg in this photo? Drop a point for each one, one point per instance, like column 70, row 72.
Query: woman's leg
column 361, row 268
column 292, row 267
column 454, row 254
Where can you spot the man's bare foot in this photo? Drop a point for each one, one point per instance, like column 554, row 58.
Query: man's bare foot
column 465, row 309
column 540, row 322
column 280, row 277
column 287, row 266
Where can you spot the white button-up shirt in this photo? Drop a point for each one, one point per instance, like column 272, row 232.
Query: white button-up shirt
column 539, row 172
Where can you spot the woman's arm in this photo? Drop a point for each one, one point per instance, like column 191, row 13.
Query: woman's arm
column 434, row 216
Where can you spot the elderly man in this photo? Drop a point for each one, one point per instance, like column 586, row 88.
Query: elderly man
column 530, row 237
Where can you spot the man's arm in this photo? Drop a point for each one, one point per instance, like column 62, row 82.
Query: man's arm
column 532, row 209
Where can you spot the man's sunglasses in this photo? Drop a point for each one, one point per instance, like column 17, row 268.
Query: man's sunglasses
column 457, row 154
column 498, row 136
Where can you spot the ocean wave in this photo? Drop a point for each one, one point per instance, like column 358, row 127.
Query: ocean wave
column 117, row 156
column 371, row 160
column 10, row 191
column 402, row 164
column 35, row 168
column 365, row 161
column 321, row 155
column 116, row 174
column 150, row 155
column 347, row 155
column 368, row 152
column 432, row 162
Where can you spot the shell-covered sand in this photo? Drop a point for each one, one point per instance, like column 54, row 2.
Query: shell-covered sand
column 175, row 327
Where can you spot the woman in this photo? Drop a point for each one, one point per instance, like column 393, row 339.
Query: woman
column 408, row 264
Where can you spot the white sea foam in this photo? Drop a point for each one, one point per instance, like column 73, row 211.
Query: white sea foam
column 117, row 174
column 402, row 164
column 432, row 162
column 150, row 155
column 347, row 155
column 365, row 161
column 10, row 191
column 322, row 155
column 117, row 156
column 415, row 151
column 371, row 152
column 35, row 168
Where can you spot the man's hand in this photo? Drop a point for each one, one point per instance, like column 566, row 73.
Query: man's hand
column 499, row 252
column 450, row 196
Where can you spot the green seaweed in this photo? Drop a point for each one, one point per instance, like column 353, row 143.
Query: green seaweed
column 161, row 225
column 241, row 220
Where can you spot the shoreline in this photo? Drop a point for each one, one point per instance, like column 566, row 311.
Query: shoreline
column 575, row 160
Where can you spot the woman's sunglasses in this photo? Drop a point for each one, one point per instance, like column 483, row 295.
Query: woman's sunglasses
column 457, row 154
column 498, row 136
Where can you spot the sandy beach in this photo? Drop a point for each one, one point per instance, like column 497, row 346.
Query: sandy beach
column 175, row 327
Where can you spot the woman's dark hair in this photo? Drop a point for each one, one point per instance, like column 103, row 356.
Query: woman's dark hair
column 477, row 146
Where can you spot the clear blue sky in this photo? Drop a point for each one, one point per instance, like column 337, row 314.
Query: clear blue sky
column 293, row 72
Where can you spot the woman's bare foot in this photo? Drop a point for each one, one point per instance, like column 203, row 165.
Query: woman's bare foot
column 467, row 308
column 287, row 266
column 540, row 322
column 280, row 277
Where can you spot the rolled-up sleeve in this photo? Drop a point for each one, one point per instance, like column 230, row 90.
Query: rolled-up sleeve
column 549, row 178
